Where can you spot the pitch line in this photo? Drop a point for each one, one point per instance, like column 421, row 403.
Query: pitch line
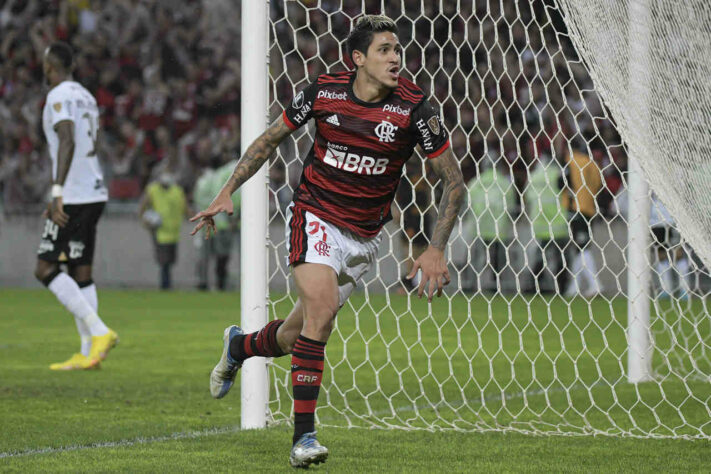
column 125, row 442
column 234, row 429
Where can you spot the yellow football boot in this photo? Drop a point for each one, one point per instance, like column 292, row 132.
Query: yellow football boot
column 101, row 345
column 76, row 362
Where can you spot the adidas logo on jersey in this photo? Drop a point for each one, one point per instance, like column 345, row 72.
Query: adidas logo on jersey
column 333, row 120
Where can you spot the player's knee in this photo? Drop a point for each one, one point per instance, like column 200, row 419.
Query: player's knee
column 319, row 316
column 45, row 272
column 320, row 303
column 319, row 325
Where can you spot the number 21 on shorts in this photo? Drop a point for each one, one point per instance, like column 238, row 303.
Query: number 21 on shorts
column 315, row 227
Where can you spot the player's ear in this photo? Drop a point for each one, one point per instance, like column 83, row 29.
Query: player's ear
column 358, row 58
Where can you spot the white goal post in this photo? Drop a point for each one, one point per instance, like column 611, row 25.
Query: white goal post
column 539, row 332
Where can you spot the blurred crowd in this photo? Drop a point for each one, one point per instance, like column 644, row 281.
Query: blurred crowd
column 505, row 75
column 166, row 76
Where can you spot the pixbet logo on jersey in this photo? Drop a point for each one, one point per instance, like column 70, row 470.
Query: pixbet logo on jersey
column 355, row 163
column 331, row 95
column 396, row 109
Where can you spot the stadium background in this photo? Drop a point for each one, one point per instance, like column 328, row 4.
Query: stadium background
column 166, row 76
column 166, row 417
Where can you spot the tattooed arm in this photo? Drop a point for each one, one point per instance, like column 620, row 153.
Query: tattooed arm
column 447, row 169
column 252, row 160
column 257, row 154
column 432, row 262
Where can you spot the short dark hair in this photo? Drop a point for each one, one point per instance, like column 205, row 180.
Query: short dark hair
column 63, row 53
column 361, row 35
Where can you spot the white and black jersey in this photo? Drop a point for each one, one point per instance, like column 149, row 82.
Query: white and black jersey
column 70, row 101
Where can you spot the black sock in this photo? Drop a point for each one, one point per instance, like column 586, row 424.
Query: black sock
column 303, row 423
column 261, row 343
column 306, row 374
column 235, row 349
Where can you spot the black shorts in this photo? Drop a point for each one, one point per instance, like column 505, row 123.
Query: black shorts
column 665, row 237
column 580, row 230
column 74, row 243
column 166, row 253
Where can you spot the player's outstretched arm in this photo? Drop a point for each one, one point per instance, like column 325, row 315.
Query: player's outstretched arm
column 432, row 262
column 253, row 159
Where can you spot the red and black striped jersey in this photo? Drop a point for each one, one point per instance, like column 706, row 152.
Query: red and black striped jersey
column 352, row 171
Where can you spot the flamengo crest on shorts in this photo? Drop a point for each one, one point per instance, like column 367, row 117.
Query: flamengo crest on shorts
column 313, row 240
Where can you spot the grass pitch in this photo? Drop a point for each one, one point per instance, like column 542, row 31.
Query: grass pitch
column 149, row 409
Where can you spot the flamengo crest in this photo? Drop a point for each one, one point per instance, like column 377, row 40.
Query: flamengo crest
column 386, row 131
column 322, row 248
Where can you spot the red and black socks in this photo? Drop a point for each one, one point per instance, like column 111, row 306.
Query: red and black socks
column 306, row 372
column 262, row 343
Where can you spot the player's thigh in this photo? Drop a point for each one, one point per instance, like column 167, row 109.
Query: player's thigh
column 359, row 255
column 53, row 245
column 317, row 286
column 81, row 238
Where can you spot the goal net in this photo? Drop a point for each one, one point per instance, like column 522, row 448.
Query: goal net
column 531, row 334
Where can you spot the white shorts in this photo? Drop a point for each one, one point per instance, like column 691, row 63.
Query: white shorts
column 310, row 239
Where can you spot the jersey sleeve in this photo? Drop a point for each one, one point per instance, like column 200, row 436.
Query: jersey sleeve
column 300, row 109
column 60, row 108
column 429, row 130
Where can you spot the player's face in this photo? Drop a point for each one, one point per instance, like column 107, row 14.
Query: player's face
column 384, row 58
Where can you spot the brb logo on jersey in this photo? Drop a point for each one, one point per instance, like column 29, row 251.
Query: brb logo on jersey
column 354, row 163
column 386, row 131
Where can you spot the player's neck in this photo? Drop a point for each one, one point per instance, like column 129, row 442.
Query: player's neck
column 59, row 79
column 368, row 89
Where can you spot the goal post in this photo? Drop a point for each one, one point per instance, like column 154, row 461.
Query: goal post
column 639, row 355
column 540, row 331
column 254, row 217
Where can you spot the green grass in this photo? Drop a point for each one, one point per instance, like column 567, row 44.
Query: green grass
column 469, row 364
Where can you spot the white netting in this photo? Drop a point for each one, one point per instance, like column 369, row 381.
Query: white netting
column 506, row 348
column 650, row 61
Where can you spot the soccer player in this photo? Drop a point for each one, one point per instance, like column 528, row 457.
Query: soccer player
column 368, row 122
column 71, row 120
column 583, row 183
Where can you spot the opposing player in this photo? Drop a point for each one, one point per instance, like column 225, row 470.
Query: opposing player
column 368, row 122
column 71, row 120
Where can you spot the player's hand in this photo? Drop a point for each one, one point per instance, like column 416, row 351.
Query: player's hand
column 222, row 203
column 46, row 211
column 56, row 212
column 434, row 272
